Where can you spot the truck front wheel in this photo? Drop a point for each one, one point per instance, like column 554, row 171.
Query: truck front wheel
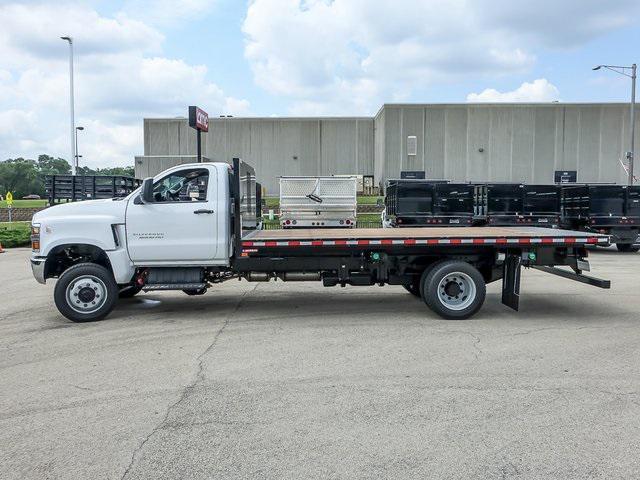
column 86, row 292
column 453, row 289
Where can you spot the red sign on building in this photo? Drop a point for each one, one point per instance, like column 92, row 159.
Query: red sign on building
column 198, row 119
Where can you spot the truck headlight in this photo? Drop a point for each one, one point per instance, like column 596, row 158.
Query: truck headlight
column 35, row 237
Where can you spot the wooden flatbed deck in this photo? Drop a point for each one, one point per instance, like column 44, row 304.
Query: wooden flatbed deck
column 413, row 232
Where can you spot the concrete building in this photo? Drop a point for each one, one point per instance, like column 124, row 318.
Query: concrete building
column 496, row 142
column 273, row 146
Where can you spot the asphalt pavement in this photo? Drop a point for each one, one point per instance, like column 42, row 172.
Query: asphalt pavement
column 297, row 381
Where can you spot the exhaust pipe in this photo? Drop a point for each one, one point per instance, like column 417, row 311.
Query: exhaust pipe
column 300, row 276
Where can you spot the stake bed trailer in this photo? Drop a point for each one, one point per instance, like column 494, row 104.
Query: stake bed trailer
column 155, row 240
column 318, row 201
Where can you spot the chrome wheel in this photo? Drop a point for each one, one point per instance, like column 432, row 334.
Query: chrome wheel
column 86, row 294
column 456, row 291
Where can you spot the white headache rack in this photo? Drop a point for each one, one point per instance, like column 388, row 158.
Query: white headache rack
column 318, row 201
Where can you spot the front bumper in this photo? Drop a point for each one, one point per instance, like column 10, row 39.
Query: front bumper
column 37, row 267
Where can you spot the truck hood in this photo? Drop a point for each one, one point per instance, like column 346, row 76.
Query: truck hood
column 113, row 211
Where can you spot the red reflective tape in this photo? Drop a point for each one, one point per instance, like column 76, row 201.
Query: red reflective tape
column 592, row 240
column 410, row 241
column 386, row 242
column 547, row 240
column 478, row 240
column 524, row 240
column 456, row 241
column 501, row 240
column 341, row 242
column 247, row 244
column 270, row 244
column 363, row 242
column 294, row 243
column 569, row 240
column 432, row 241
column 316, row 243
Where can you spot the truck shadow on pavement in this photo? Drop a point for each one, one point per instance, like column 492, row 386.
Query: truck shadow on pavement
column 358, row 306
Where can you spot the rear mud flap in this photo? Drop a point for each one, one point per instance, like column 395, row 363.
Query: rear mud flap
column 511, row 281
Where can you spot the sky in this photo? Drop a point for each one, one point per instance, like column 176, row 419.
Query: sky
column 141, row 58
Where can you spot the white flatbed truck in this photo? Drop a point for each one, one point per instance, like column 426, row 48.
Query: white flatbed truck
column 196, row 225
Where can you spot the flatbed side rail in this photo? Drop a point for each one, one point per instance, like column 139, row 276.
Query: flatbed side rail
column 529, row 241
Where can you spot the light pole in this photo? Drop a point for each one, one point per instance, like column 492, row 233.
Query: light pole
column 622, row 70
column 73, row 123
column 77, row 157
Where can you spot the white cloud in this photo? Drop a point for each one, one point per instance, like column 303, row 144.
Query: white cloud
column 540, row 90
column 167, row 12
column 348, row 56
column 121, row 77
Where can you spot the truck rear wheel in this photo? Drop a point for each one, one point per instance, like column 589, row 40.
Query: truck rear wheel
column 453, row 289
column 627, row 247
column 86, row 292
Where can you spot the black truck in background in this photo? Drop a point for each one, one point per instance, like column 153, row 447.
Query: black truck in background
column 609, row 209
column 598, row 208
column 413, row 203
column 508, row 204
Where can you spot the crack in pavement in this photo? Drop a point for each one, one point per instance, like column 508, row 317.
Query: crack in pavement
column 476, row 342
column 188, row 388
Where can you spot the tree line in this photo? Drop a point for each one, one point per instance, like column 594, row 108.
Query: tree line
column 22, row 176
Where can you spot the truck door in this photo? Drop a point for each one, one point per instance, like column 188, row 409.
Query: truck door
column 181, row 224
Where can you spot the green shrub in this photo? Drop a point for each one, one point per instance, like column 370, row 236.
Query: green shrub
column 15, row 235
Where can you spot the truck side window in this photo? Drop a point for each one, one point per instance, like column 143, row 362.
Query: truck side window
column 182, row 186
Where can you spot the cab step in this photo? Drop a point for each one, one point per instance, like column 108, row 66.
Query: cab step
column 174, row 286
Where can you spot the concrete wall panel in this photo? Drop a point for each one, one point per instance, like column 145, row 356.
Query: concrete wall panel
column 478, row 143
column 523, row 144
column 589, row 143
column 455, row 133
column 412, row 122
column 544, row 144
column 434, row 142
column 500, row 166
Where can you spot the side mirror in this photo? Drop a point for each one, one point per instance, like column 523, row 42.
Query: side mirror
column 146, row 193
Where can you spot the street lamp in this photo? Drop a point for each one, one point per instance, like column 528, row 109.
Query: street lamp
column 72, row 129
column 77, row 157
column 622, row 70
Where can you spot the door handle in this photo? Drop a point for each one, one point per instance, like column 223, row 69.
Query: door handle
column 201, row 211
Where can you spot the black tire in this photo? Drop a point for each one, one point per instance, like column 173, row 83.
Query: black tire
column 195, row 291
column 129, row 291
column 453, row 289
column 627, row 247
column 100, row 284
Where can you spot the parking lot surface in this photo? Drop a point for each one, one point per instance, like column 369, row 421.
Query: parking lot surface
column 297, row 381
